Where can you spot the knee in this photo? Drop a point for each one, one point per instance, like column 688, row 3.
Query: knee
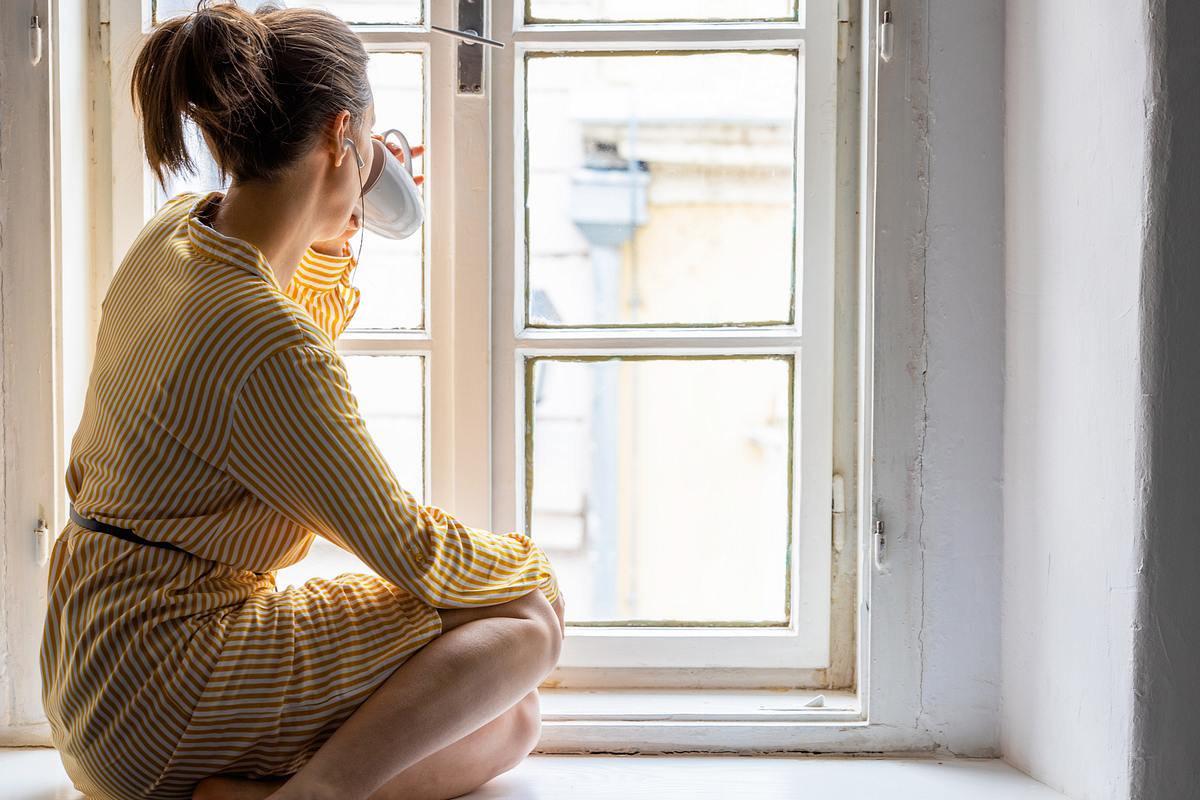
column 526, row 721
column 537, row 610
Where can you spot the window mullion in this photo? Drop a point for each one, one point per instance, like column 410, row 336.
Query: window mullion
column 459, row 399
column 507, row 219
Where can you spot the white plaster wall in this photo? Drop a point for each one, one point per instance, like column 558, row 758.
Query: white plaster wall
column 26, row 161
column 960, row 461
column 1076, row 128
column 26, row 380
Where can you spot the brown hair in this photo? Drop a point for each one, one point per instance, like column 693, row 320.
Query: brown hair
column 258, row 85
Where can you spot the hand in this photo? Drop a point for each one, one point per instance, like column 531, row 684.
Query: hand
column 337, row 245
column 418, row 150
column 559, row 607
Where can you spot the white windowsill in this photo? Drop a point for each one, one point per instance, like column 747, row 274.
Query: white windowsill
column 37, row 774
column 688, row 705
column 658, row 721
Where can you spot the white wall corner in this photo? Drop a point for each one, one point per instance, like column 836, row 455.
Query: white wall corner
column 1165, row 749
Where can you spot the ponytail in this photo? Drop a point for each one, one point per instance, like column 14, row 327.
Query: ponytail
column 258, row 85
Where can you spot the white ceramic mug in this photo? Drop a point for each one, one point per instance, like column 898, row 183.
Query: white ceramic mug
column 391, row 197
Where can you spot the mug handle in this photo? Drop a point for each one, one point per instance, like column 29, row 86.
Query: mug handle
column 404, row 147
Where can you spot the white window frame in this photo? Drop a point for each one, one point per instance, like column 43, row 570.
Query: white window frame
column 589, row 652
column 888, row 677
column 460, row 423
column 889, row 104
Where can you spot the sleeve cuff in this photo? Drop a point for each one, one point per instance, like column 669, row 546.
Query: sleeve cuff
column 549, row 586
column 549, row 580
column 320, row 272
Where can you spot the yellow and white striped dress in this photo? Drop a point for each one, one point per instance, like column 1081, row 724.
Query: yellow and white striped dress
column 219, row 418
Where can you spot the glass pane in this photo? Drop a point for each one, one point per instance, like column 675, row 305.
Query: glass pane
column 409, row 12
column 391, row 399
column 389, row 273
column 658, row 10
column 661, row 188
column 660, row 485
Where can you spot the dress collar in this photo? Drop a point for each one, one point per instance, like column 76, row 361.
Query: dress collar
column 225, row 249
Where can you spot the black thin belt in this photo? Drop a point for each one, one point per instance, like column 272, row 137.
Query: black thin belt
column 119, row 532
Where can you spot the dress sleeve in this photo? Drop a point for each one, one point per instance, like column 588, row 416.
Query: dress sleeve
column 321, row 284
column 299, row 444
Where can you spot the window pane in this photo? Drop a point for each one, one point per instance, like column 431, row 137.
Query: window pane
column 660, row 485
column 391, row 399
column 365, row 11
column 408, row 12
column 389, row 274
column 661, row 188
column 655, row 10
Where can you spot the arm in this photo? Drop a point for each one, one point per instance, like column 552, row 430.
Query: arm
column 299, row 444
column 321, row 284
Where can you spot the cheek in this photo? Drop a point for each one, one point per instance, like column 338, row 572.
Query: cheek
column 351, row 184
column 358, row 175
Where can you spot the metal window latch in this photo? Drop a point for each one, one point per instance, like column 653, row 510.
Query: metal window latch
column 471, row 20
column 880, row 542
column 470, row 36
column 887, row 36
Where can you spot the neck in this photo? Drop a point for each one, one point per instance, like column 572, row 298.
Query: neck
column 277, row 218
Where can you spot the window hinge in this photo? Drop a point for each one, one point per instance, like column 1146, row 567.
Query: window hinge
column 41, row 541
column 880, row 542
column 839, row 512
column 843, row 30
column 887, row 35
column 105, row 32
column 35, row 40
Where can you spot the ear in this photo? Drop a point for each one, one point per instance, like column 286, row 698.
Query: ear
column 338, row 133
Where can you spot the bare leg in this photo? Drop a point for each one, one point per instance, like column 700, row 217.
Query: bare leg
column 452, row 771
column 425, row 707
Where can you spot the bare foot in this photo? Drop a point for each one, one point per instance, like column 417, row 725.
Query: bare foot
column 218, row 788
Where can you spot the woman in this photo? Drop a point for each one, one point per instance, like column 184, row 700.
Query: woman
column 220, row 434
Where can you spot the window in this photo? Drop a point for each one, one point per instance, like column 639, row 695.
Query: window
column 616, row 330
